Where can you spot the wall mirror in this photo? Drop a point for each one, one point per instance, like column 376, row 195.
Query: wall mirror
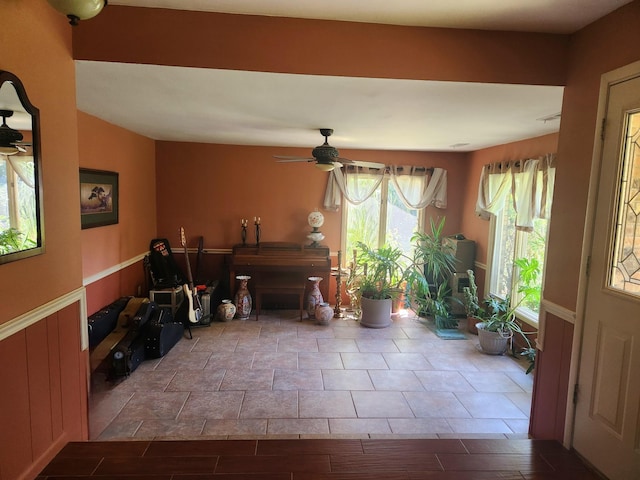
column 21, row 222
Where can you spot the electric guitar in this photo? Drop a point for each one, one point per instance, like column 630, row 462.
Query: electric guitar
column 195, row 309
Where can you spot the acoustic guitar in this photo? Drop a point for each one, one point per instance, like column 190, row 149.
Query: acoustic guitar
column 190, row 292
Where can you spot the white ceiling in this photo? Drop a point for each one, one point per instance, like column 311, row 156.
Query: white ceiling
column 254, row 108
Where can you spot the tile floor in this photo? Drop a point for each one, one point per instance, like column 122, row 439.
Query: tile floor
column 282, row 378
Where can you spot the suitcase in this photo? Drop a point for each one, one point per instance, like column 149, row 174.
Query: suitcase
column 127, row 355
column 162, row 333
column 104, row 321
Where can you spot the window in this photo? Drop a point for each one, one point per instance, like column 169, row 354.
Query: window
column 512, row 247
column 382, row 219
column 384, row 206
column 18, row 221
column 516, row 197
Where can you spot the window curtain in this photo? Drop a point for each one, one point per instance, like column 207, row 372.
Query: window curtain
column 528, row 184
column 355, row 183
column 23, row 166
column 417, row 186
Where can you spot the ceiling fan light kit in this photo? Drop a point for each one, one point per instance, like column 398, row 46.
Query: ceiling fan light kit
column 327, row 157
column 8, row 136
column 76, row 10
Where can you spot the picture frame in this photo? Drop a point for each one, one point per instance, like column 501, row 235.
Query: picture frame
column 99, row 199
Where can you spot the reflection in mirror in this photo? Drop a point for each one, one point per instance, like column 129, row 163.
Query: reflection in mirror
column 21, row 225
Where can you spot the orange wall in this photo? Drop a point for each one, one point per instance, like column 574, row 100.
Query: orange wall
column 104, row 146
column 208, row 189
column 271, row 44
column 43, row 63
column 599, row 48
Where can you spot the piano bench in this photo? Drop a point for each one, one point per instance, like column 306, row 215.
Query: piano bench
column 279, row 286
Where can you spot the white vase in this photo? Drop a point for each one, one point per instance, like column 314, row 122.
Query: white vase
column 226, row 311
column 323, row 313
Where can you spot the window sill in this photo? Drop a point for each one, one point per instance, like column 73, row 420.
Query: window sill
column 527, row 316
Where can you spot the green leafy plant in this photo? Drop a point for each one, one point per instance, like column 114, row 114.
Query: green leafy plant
column 529, row 270
column 432, row 257
column 500, row 317
column 13, row 240
column 382, row 272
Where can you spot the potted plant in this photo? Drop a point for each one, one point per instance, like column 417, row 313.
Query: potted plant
column 499, row 324
column 381, row 280
column 433, row 258
column 428, row 277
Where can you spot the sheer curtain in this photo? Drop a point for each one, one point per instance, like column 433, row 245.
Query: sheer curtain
column 527, row 183
column 23, row 166
column 418, row 187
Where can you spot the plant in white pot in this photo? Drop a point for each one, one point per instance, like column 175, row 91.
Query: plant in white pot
column 381, row 279
column 499, row 324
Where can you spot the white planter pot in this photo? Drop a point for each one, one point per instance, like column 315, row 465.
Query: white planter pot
column 376, row 313
column 492, row 343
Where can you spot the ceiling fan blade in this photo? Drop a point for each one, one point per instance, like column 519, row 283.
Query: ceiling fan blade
column 296, row 159
column 361, row 163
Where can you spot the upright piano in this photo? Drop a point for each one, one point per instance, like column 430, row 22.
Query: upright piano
column 270, row 259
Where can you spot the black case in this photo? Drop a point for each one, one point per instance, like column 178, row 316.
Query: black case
column 127, row 355
column 104, row 321
column 162, row 333
column 143, row 315
column 129, row 352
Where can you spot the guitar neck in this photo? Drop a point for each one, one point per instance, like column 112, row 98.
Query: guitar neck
column 189, row 276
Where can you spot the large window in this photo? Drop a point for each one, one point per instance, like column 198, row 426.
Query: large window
column 517, row 198
column 380, row 220
column 518, row 254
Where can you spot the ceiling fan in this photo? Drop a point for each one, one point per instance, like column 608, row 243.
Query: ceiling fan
column 10, row 139
column 327, row 157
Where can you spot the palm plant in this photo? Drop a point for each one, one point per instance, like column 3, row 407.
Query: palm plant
column 435, row 256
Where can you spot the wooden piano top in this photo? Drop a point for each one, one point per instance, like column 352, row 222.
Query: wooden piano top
column 280, row 253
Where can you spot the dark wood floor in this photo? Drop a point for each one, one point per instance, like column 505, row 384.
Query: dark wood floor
column 317, row 459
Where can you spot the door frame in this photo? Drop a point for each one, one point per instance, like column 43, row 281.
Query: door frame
column 607, row 79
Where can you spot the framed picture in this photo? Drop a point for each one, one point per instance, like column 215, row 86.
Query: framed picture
column 98, row 198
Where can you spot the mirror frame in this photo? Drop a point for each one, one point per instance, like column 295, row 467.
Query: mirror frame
column 8, row 77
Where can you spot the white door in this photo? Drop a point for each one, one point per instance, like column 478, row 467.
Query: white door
column 607, row 422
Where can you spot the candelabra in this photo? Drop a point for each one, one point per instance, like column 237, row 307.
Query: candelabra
column 243, row 232
column 337, row 311
column 256, row 222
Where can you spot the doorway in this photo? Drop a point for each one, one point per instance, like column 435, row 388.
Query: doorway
column 607, row 413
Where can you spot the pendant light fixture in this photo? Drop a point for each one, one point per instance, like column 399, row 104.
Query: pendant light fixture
column 77, row 10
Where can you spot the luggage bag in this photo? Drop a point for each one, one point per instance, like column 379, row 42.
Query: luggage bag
column 162, row 333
